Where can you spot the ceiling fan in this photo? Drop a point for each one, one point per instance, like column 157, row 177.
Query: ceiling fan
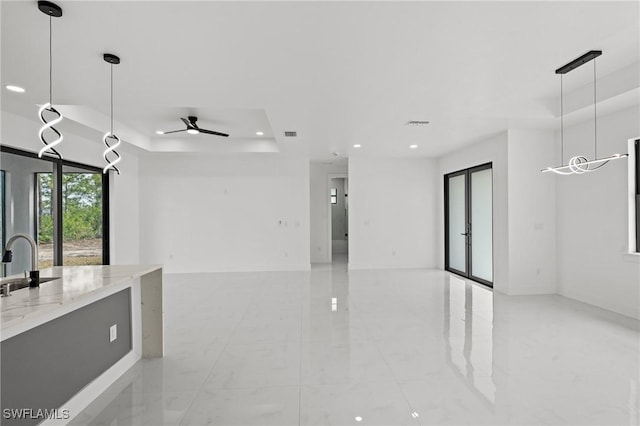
column 192, row 128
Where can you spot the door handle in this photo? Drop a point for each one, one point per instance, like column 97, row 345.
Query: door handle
column 464, row 233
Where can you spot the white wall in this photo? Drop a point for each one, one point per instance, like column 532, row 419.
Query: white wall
column 593, row 264
column 492, row 150
column 320, row 241
column 206, row 213
column 22, row 133
column 392, row 216
column 125, row 216
column 532, row 217
column 524, row 245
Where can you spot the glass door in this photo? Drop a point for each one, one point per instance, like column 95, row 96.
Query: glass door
column 82, row 216
column 457, row 223
column 63, row 205
column 469, row 223
column 481, row 225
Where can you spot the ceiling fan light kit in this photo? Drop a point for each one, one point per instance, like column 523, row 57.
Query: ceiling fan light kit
column 52, row 11
column 581, row 164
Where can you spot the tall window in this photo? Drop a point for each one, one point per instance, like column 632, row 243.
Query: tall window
column 81, row 217
column 62, row 204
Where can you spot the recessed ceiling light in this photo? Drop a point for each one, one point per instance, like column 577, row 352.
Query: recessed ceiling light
column 16, row 89
column 413, row 146
column 193, row 131
column 259, row 133
column 159, row 132
column 357, row 145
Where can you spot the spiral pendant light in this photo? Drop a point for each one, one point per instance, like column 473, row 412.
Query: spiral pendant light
column 581, row 164
column 110, row 140
column 48, row 115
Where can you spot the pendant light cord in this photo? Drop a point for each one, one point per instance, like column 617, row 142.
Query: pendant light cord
column 50, row 61
column 595, row 115
column 112, row 99
column 561, row 123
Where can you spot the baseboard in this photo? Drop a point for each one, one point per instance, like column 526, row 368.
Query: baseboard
column 531, row 290
column 627, row 311
column 363, row 266
column 82, row 399
column 236, row 268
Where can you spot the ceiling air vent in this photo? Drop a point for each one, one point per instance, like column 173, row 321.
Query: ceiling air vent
column 290, row 133
column 416, row 123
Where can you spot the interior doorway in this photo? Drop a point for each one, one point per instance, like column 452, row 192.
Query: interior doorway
column 339, row 218
column 469, row 223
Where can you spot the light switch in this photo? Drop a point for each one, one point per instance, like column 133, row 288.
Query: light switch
column 113, row 332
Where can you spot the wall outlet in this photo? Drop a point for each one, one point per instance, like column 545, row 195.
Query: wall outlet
column 113, row 332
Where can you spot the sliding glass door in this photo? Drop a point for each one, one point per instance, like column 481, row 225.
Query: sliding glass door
column 469, row 223
column 82, row 216
column 63, row 205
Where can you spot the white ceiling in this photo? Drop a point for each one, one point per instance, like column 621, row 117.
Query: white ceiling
column 339, row 73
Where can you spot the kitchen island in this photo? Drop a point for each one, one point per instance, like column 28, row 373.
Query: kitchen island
column 65, row 342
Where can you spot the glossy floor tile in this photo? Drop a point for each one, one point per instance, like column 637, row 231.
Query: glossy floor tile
column 389, row 347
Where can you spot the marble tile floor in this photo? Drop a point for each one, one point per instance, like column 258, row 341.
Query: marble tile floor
column 389, row 347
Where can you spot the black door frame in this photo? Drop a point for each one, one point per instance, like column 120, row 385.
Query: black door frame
column 636, row 146
column 468, row 273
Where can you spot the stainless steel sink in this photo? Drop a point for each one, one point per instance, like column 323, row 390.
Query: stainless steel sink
column 19, row 283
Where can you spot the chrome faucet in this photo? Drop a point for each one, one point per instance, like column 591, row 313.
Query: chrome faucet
column 7, row 256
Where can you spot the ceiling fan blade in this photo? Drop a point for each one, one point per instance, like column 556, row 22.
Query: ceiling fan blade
column 186, row 123
column 175, row 131
column 211, row 132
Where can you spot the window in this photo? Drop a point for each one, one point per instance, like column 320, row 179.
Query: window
column 637, row 192
column 334, row 195
column 81, row 216
column 62, row 204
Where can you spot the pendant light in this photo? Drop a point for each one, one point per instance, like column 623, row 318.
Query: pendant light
column 52, row 11
column 110, row 140
column 580, row 164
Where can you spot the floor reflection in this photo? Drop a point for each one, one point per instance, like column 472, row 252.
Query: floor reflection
column 402, row 347
column 468, row 334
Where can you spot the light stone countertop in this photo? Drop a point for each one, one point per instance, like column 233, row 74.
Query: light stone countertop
column 77, row 286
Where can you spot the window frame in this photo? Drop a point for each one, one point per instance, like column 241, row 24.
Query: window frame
column 58, row 166
column 636, row 146
column 3, row 214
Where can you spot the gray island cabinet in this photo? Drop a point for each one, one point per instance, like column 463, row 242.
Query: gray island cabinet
column 65, row 342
